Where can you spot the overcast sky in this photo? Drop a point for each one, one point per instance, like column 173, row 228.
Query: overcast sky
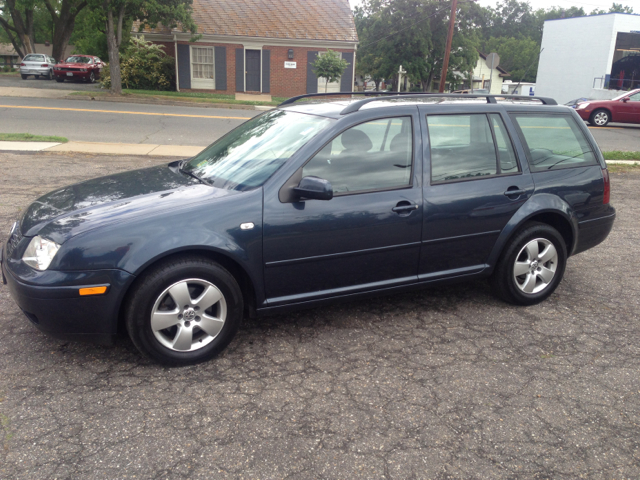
column 588, row 5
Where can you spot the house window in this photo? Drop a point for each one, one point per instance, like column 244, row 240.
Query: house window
column 202, row 68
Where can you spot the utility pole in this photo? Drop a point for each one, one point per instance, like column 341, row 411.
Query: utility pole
column 445, row 65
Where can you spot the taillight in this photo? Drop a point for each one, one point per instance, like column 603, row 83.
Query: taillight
column 23, row 65
column 44, row 65
column 607, row 186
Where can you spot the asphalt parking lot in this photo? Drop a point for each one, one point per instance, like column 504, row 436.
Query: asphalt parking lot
column 442, row 383
column 31, row 82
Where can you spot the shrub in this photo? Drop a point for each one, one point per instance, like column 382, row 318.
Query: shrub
column 143, row 66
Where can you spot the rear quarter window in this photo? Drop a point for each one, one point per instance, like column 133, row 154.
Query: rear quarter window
column 553, row 142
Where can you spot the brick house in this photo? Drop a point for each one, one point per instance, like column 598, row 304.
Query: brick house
column 261, row 46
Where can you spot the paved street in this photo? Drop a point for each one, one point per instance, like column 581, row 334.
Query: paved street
column 441, row 383
column 118, row 122
column 170, row 125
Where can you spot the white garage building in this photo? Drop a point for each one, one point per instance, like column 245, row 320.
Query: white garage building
column 586, row 57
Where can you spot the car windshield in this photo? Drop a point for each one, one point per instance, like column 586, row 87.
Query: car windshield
column 34, row 58
column 78, row 60
column 247, row 156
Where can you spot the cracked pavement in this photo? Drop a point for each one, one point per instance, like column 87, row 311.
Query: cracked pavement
column 441, row 383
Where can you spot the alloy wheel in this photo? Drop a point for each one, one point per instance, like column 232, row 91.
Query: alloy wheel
column 601, row 118
column 188, row 315
column 535, row 266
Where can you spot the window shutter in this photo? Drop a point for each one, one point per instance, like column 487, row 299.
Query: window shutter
column 266, row 71
column 239, row 69
column 312, row 80
column 346, row 79
column 221, row 68
column 184, row 66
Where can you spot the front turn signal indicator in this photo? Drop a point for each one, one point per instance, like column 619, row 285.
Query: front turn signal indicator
column 92, row 291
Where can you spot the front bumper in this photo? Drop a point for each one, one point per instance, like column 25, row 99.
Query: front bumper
column 74, row 74
column 51, row 300
column 584, row 113
column 34, row 70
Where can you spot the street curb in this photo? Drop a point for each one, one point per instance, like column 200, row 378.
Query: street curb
column 623, row 162
column 155, row 101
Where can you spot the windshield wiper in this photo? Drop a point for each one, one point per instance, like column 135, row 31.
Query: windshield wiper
column 191, row 174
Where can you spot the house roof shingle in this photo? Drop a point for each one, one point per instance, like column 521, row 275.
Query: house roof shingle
column 287, row 19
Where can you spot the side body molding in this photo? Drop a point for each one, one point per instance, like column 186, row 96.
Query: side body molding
column 537, row 204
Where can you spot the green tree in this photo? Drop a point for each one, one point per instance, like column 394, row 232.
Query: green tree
column 615, row 8
column 329, row 66
column 63, row 14
column 517, row 55
column 413, row 33
column 16, row 19
column 148, row 13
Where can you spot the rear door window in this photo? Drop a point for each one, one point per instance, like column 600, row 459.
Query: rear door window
column 468, row 147
column 553, row 142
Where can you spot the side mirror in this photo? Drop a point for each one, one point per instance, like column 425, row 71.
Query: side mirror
column 314, row 188
column 625, row 99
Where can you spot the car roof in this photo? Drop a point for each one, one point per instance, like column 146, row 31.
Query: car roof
column 338, row 108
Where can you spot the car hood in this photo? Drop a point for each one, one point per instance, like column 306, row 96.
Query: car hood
column 74, row 65
column 66, row 212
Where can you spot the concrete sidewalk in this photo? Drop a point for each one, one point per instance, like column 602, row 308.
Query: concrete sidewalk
column 104, row 148
column 33, row 92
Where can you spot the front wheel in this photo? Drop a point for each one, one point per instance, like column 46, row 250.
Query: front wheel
column 92, row 78
column 531, row 266
column 184, row 311
column 59, row 79
column 600, row 118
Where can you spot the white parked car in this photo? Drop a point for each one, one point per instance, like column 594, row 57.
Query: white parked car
column 38, row 65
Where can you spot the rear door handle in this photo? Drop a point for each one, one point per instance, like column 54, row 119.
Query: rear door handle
column 510, row 193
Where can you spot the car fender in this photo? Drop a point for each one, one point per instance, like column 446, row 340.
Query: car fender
column 537, row 204
column 134, row 245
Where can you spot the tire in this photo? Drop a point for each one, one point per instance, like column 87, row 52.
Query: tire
column 59, row 79
column 157, row 300
column 24, row 77
column 541, row 272
column 49, row 75
column 600, row 118
column 92, row 78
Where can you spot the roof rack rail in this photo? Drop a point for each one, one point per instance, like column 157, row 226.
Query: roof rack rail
column 366, row 94
column 355, row 106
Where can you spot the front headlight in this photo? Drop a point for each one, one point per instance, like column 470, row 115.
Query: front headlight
column 582, row 105
column 40, row 253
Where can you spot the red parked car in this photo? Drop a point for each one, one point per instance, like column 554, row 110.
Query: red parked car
column 623, row 109
column 79, row 67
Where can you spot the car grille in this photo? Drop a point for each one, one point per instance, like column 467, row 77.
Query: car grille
column 65, row 69
column 14, row 240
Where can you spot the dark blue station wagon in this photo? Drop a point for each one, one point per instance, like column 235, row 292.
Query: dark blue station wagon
column 311, row 203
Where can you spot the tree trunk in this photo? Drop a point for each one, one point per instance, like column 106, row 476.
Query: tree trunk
column 19, row 28
column 63, row 24
column 114, row 53
column 12, row 38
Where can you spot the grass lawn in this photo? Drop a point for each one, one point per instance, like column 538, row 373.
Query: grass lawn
column 196, row 97
column 623, row 168
column 27, row 137
column 619, row 155
column 15, row 74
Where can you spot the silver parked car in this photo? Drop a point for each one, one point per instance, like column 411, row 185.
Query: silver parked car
column 38, row 65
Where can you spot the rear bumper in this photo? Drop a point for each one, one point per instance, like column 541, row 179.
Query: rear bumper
column 594, row 232
column 59, row 310
column 34, row 70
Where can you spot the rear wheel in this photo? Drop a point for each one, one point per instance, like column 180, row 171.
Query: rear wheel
column 184, row 311
column 531, row 266
column 600, row 118
column 24, row 77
